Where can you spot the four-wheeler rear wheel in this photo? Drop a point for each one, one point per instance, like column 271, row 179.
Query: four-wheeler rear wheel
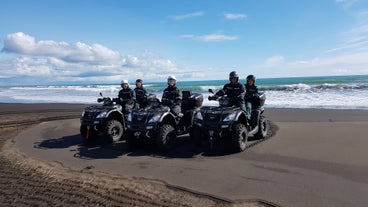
column 114, row 130
column 263, row 127
column 165, row 138
column 239, row 137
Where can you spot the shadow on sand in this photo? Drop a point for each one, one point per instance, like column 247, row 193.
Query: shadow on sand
column 101, row 148
column 98, row 148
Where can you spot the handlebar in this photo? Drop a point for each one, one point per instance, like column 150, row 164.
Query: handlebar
column 105, row 100
column 213, row 98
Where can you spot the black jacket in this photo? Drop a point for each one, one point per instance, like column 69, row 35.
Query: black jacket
column 172, row 96
column 251, row 92
column 127, row 96
column 141, row 95
column 234, row 91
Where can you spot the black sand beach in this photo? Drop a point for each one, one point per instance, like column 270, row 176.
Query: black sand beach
column 314, row 158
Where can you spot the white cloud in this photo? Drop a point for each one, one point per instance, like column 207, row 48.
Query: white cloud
column 277, row 66
column 149, row 64
column 356, row 38
column 210, row 37
column 235, row 16
column 274, row 61
column 51, row 62
column 346, row 3
column 362, row 15
column 187, row 16
column 351, row 45
column 24, row 44
column 30, row 66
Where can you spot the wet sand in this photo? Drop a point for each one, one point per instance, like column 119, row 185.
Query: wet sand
column 314, row 158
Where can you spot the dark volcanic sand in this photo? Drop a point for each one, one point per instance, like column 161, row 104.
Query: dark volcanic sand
column 315, row 158
column 27, row 182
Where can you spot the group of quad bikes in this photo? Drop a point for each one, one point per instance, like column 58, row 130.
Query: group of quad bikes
column 206, row 125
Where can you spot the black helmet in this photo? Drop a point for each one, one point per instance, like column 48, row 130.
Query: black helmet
column 139, row 81
column 233, row 74
column 251, row 77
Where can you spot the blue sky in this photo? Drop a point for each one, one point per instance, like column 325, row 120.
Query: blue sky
column 104, row 41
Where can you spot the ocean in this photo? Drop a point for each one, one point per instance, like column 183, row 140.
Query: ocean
column 331, row 92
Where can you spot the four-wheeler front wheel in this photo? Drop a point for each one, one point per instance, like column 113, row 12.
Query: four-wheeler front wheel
column 239, row 137
column 114, row 130
column 165, row 138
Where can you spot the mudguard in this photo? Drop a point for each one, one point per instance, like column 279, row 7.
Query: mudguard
column 166, row 115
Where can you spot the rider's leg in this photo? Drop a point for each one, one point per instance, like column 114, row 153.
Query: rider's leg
column 128, row 107
column 176, row 109
column 249, row 109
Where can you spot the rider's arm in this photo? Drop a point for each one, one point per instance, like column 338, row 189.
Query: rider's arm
column 179, row 97
column 145, row 93
column 120, row 96
column 241, row 95
column 133, row 95
column 164, row 99
column 221, row 92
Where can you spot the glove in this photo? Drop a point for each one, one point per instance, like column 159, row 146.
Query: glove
column 166, row 102
column 214, row 97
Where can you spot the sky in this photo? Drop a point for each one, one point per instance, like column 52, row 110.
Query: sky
column 105, row 41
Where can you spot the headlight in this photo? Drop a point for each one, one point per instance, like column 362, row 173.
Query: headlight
column 230, row 117
column 199, row 116
column 83, row 112
column 102, row 115
column 129, row 117
column 155, row 118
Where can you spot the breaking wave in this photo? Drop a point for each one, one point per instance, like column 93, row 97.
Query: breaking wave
column 350, row 92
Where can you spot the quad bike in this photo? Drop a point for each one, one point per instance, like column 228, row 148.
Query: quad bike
column 158, row 124
column 229, row 123
column 107, row 118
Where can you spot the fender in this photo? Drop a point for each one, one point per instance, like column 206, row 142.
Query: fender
column 239, row 113
column 122, row 116
column 116, row 108
column 113, row 111
column 240, row 117
column 167, row 115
